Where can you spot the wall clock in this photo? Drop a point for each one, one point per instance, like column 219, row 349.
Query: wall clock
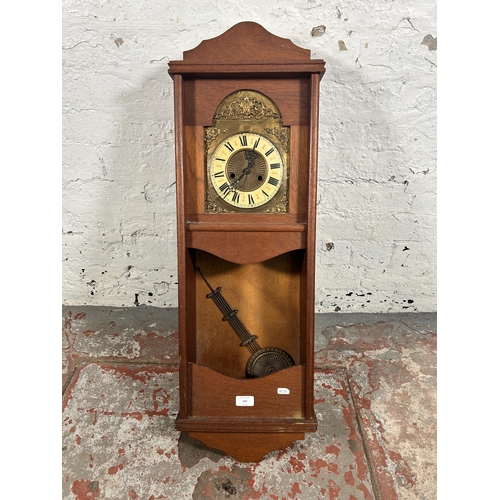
column 246, row 130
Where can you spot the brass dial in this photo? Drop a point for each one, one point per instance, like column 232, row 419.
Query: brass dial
column 246, row 170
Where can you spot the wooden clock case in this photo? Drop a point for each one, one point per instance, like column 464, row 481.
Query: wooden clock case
column 264, row 262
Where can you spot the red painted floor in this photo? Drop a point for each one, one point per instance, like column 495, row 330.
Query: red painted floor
column 375, row 386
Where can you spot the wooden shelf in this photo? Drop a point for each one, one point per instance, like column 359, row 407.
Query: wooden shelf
column 246, row 223
column 239, row 227
column 245, row 425
column 269, row 67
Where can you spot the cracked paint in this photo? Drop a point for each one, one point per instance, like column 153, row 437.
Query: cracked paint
column 374, row 394
column 143, row 335
column 391, row 368
column 122, row 416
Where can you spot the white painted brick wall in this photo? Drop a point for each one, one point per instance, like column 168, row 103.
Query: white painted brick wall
column 376, row 238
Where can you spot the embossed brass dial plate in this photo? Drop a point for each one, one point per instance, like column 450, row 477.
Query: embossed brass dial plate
column 247, row 156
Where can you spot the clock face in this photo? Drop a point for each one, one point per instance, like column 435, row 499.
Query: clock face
column 246, row 170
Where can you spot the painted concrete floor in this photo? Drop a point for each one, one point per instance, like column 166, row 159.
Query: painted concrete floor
column 375, row 400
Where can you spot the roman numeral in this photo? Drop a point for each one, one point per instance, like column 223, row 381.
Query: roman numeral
column 243, row 140
column 225, row 189
column 273, row 181
column 251, row 201
column 256, row 143
column 265, row 194
column 228, row 146
column 220, row 174
column 275, row 165
column 236, row 197
column 269, row 152
column 220, row 159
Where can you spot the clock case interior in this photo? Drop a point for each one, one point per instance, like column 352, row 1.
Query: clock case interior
column 264, row 262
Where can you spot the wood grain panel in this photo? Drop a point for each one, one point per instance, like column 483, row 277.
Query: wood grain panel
column 203, row 95
column 181, row 230
column 245, row 247
column 214, row 395
column 299, row 174
column 195, row 170
column 247, row 447
column 246, row 222
column 233, row 46
column 311, row 243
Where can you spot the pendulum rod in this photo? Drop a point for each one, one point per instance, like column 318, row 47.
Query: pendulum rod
column 230, row 315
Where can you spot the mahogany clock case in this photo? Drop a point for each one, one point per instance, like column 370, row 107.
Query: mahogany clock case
column 264, row 262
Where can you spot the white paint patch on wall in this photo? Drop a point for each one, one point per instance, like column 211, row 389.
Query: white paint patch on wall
column 376, row 238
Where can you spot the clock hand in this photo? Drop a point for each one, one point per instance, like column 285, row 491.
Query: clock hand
column 247, row 169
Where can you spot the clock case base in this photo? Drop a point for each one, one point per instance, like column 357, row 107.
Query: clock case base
column 247, row 447
column 247, row 433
